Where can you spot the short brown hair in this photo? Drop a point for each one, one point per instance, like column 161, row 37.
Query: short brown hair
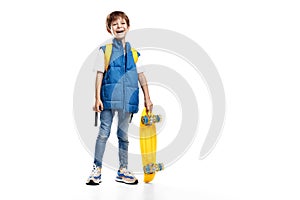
column 113, row 16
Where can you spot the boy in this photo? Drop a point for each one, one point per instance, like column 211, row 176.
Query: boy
column 117, row 92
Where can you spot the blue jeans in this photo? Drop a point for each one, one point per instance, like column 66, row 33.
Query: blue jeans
column 106, row 118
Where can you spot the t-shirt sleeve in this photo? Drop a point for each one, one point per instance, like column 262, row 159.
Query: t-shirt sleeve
column 99, row 61
column 139, row 65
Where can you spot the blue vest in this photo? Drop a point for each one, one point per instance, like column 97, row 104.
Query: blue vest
column 120, row 88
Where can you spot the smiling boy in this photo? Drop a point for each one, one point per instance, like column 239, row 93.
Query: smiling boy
column 117, row 92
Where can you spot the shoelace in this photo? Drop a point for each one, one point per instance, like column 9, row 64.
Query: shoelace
column 126, row 172
column 95, row 171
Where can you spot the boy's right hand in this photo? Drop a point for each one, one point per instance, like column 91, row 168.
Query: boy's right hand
column 98, row 106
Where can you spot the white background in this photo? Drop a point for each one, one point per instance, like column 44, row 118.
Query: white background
column 255, row 47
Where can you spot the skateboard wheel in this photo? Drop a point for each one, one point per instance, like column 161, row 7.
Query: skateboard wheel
column 145, row 120
column 157, row 118
column 148, row 169
column 160, row 166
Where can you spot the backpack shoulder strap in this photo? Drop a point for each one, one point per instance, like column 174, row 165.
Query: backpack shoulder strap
column 107, row 54
column 135, row 54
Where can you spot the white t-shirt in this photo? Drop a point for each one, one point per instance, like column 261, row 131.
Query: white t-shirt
column 99, row 63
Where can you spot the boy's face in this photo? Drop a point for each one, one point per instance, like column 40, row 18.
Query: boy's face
column 119, row 28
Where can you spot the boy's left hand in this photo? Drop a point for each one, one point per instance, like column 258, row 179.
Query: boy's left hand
column 148, row 105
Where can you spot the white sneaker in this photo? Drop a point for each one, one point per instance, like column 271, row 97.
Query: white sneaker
column 95, row 177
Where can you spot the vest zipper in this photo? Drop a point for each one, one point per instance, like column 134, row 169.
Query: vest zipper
column 124, row 91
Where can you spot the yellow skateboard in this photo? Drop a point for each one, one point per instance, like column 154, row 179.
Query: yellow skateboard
column 148, row 145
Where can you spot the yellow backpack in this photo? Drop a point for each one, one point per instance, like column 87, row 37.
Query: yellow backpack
column 107, row 54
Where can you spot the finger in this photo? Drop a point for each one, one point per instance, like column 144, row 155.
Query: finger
column 97, row 108
column 149, row 108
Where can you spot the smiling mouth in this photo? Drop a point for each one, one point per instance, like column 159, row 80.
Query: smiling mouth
column 121, row 31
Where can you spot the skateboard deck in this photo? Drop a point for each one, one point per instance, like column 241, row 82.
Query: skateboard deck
column 148, row 146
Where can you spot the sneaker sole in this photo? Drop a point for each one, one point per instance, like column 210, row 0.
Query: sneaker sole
column 129, row 183
column 92, row 183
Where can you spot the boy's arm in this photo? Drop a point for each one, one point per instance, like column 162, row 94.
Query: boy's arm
column 144, row 85
column 98, row 102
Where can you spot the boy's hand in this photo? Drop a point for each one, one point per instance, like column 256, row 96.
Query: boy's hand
column 148, row 105
column 98, row 104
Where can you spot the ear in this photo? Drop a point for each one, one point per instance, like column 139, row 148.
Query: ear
column 108, row 30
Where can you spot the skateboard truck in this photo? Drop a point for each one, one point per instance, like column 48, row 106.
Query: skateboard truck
column 153, row 167
column 148, row 120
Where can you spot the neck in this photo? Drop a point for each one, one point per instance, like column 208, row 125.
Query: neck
column 121, row 44
column 122, row 40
